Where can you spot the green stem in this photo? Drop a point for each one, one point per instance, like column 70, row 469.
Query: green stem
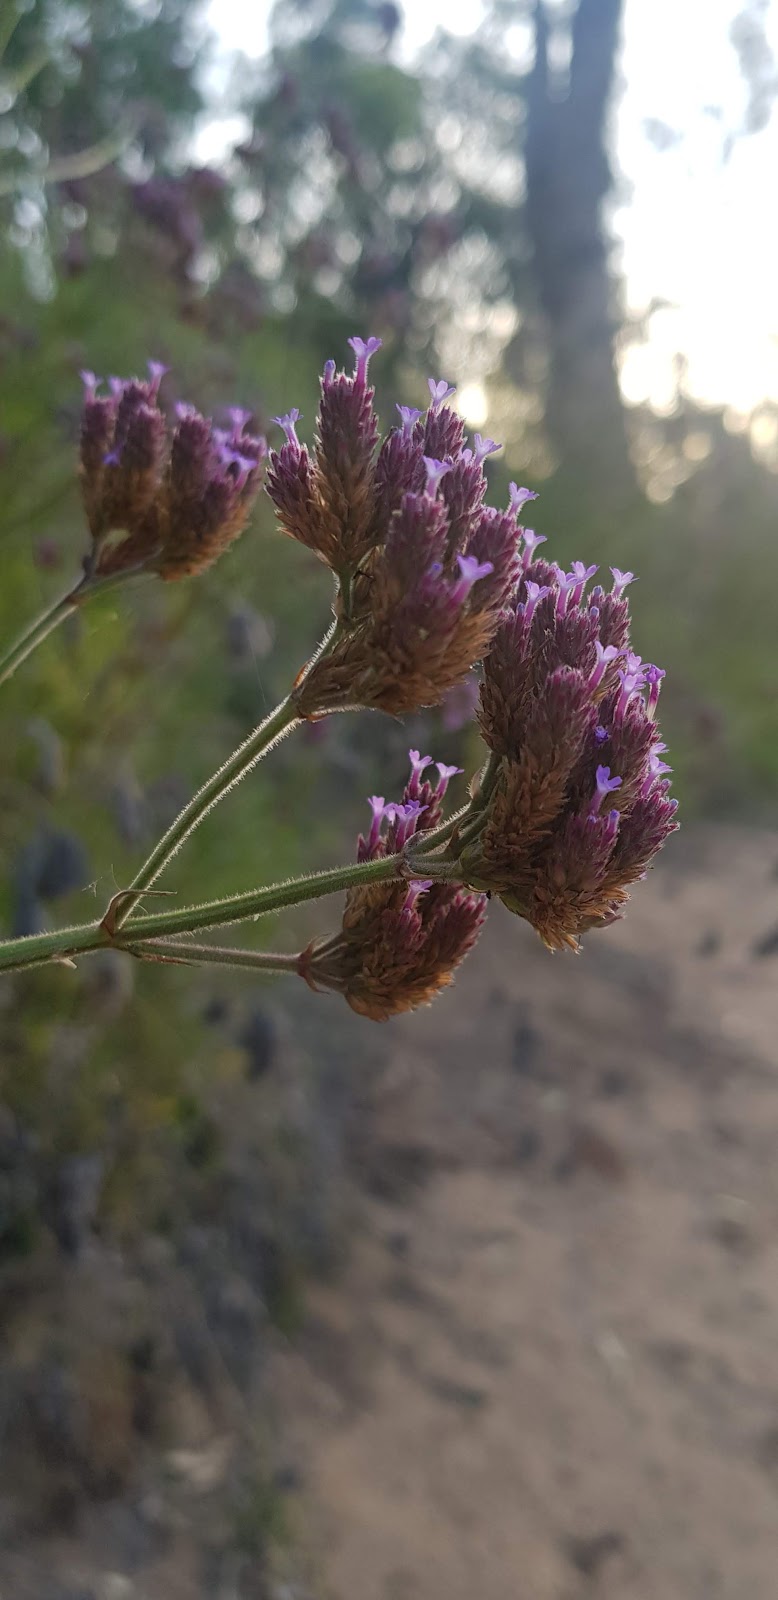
column 36, row 633
column 435, row 867
column 429, row 840
column 182, row 953
column 274, row 897
column 269, row 733
column 55, row 614
column 259, row 743
column 38, row 949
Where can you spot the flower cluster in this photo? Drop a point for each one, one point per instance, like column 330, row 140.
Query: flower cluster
column 161, row 498
column 424, row 568
column 400, row 943
column 575, row 798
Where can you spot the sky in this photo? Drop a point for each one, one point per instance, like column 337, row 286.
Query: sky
column 695, row 228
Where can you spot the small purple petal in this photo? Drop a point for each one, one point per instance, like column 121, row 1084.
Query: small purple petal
column 605, row 655
column 470, row 570
column 363, row 350
column 419, row 764
column 239, row 417
column 620, row 581
column 653, row 677
column 184, row 411
column 405, row 821
column 567, row 582
column 440, row 391
column 605, row 785
column 435, row 471
column 531, row 542
column 582, row 575
column 630, row 683
column 612, row 826
column 329, row 373
column 409, row 415
column 601, row 734
column 378, row 807
column 445, row 774
column 519, row 497
column 484, row 447
column 657, row 768
column 287, row 422
column 535, row 593
column 157, row 370
column 244, row 464
column 91, row 384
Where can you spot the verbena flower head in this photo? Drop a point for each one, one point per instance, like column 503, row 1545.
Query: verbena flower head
column 580, row 802
column 161, row 496
column 424, row 567
column 400, row 943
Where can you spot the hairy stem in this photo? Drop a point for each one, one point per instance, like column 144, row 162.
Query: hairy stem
column 182, row 953
column 269, row 733
column 36, row 633
column 41, row 948
column 55, row 614
column 258, row 744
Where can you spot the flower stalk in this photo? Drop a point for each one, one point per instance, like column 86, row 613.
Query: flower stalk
column 67, row 943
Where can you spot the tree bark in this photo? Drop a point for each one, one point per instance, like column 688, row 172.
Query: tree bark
column 568, row 178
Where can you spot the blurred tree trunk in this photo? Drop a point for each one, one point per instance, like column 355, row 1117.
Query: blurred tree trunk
column 568, row 178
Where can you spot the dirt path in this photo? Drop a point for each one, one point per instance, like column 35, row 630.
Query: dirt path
column 551, row 1369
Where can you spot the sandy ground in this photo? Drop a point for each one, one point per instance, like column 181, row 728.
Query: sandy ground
column 550, row 1370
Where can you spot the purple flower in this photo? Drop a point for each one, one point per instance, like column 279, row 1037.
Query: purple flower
column 620, row 581
column 239, row 418
column 363, row 350
column 605, row 785
column 183, row 411
column 470, row 569
column 372, row 846
column 535, row 593
column 112, row 458
column 484, row 447
column 531, row 542
column 409, row 416
column 91, row 384
column 630, row 683
column 419, row 765
column 416, row 887
column 611, row 827
column 567, row 582
column 601, row 733
column 653, row 677
column 605, row 655
column 287, row 422
column 657, row 768
column 582, row 575
column 157, row 370
column 328, row 374
column 445, row 775
column 440, row 392
column 435, row 471
column 244, row 464
column 405, row 819
column 519, row 497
